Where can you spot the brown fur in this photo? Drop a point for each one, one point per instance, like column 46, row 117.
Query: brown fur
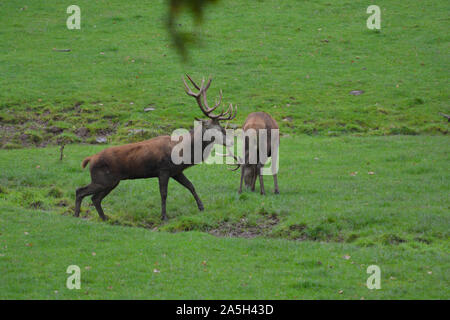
column 250, row 172
column 148, row 159
column 85, row 162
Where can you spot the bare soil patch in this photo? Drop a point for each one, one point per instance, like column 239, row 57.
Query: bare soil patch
column 243, row 229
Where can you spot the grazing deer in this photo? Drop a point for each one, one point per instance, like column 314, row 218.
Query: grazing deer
column 251, row 168
column 153, row 158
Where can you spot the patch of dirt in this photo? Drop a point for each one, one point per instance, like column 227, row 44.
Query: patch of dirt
column 15, row 135
column 54, row 130
column 243, row 229
column 392, row 239
column 299, row 230
column 423, row 240
column 63, row 203
column 6, row 132
column 108, row 131
column 24, row 139
column 82, row 132
column 36, row 204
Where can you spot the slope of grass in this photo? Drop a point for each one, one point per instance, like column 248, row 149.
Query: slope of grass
column 131, row 263
column 379, row 190
column 297, row 60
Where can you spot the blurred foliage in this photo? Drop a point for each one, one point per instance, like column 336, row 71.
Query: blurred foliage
column 176, row 7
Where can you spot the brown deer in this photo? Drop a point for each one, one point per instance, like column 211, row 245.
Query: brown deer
column 153, row 158
column 251, row 168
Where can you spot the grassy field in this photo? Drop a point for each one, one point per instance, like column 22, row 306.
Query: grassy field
column 120, row 262
column 327, row 193
column 363, row 179
column 329, row 204
column 296, row 60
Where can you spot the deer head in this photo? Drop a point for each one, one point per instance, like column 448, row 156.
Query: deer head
column 213, row 121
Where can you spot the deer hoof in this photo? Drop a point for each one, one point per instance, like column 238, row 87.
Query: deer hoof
column 277, row 192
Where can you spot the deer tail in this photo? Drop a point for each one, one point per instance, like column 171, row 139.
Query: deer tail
column 85, row 162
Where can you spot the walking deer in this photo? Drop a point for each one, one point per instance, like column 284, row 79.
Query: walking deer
column 153, row 158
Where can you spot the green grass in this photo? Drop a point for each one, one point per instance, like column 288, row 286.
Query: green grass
column 396, row 218
column 296, row 60
column 266, row 55
column 194, row 265
column 327, row 193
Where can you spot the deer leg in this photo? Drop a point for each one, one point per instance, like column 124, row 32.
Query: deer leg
column 255, row 175
column 181, row 179
column 275, row 182
column 261, row 183
column 97, row 201
column 163, row 183
column 83, row 192
column 242, row 179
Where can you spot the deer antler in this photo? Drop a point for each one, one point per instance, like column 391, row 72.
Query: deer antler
column 230, row 154
column 445, row 116
column 207, row 111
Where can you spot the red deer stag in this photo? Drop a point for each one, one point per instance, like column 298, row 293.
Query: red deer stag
column 153, row 158
column 253, row 162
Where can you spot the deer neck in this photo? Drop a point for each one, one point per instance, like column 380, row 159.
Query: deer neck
column 198, row 144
